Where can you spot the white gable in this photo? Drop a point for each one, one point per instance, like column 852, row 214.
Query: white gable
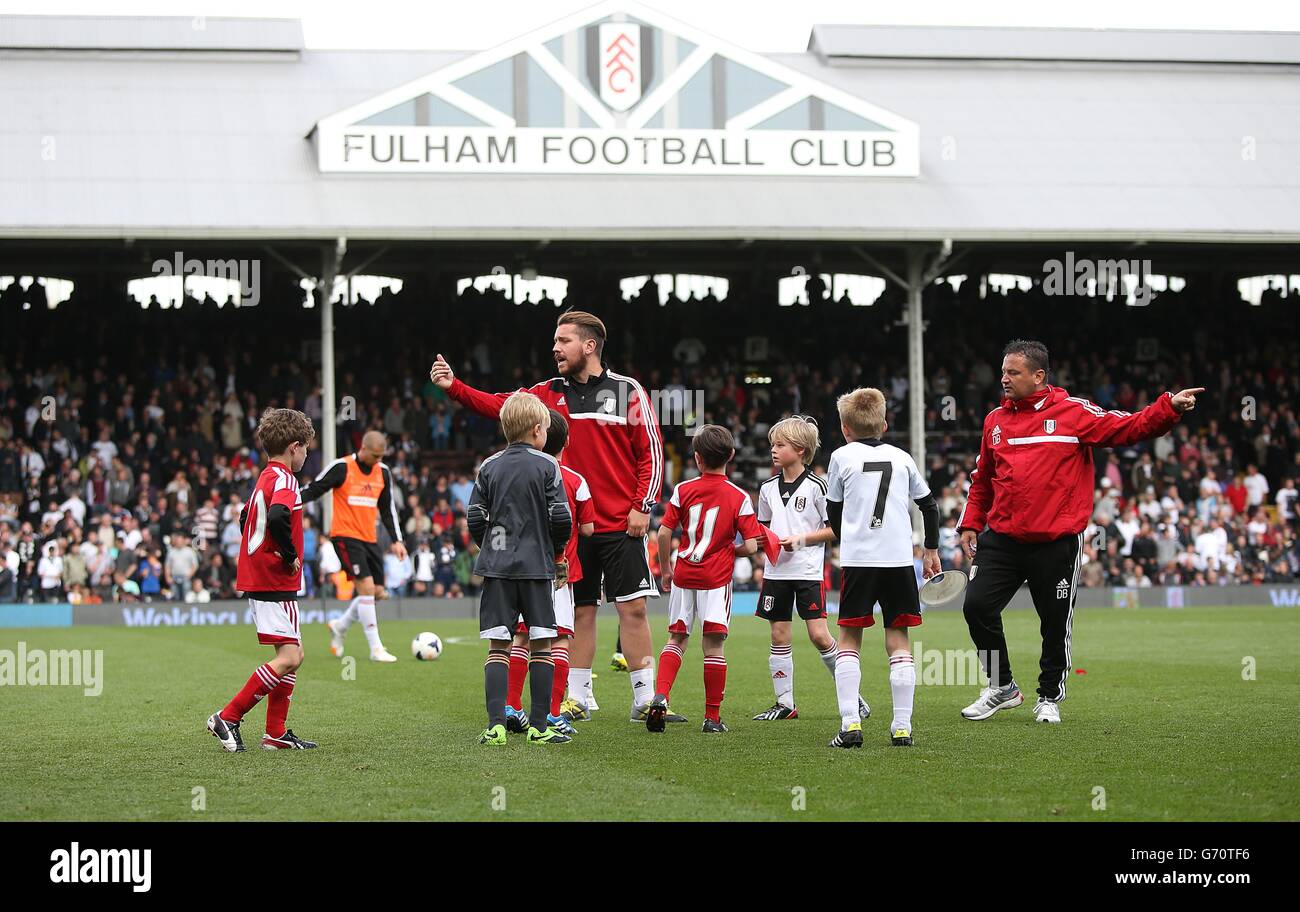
column 619, row 88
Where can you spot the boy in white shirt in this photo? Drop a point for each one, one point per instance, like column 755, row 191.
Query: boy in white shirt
column 792, row 503
column 871, row 485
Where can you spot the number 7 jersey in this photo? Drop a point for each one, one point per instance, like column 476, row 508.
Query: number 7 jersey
column 710, row 510
column 261, row 568
column 877, row 483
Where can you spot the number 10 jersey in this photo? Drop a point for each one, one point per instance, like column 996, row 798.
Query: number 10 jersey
column 261, row 567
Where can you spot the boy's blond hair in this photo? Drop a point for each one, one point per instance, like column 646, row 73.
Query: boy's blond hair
column 863, row 412
column 799, row 432
column 520, row 414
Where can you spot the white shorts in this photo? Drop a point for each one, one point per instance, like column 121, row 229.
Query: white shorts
column 277, row 622
column 711, row 606
column 564, row 611
column 562, row 599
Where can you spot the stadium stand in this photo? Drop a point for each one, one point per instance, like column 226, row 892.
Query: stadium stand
column 126, row 448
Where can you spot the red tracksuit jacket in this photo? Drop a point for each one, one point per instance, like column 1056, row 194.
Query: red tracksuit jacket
column 1033, row 480
column 614, row 439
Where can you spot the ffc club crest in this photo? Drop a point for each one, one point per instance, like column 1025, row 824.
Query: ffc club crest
column 1049, row 426
column 799, row 503
column 619, row 63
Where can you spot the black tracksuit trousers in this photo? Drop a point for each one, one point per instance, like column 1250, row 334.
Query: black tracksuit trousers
column 1052, row 570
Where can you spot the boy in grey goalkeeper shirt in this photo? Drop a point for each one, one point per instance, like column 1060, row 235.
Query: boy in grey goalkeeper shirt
column 519, row 516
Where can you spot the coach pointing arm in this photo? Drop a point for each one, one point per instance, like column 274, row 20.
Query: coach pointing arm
column 615, row 445
column 1092, row 426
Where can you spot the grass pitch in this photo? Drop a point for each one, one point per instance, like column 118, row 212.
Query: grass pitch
column 1162, row 720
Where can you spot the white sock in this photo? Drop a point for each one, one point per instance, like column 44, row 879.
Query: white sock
column 902, row 683
column 781, row 664
column 848, row 681
column 579, row 684
column 828, row 658
column 643, row 685
column 347, row 617
column 369, row 620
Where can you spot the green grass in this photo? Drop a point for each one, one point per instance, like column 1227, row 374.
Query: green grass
column 1163, row 721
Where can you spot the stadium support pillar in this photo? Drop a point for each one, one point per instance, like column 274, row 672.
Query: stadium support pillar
column 922, row 269
column 331, row 263
column 916, row 355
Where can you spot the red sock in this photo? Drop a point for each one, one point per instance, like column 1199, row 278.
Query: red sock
column 277, row 706
column 560, row 654
column 670, row 662
column 715, row 683
column 261, row 683
column 515, row 679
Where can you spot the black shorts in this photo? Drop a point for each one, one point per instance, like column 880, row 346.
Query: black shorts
column 504, row 601
column 893, row 587
column 621, row 561
column 360, row 559
column 777, row 597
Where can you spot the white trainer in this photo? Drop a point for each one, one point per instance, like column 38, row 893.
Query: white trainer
column 591, row 700
column 380, row 654
column 336, row 640
column 992, row 700
column 1047, row 711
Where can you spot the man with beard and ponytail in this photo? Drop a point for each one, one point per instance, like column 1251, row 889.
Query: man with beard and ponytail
column 614, row 443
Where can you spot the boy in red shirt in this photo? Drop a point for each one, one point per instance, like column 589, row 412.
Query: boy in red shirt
column 270, row 575
column 710, row 510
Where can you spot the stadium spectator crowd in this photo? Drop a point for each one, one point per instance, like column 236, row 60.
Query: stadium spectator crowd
column 126, row 444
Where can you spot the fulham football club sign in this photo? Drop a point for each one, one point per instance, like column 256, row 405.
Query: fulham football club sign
column 618, row 89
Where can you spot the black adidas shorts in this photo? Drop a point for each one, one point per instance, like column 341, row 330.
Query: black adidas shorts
column 893, row 587
column 360, row 558
column 779, row 597
column 504, row 602
column 620, row 561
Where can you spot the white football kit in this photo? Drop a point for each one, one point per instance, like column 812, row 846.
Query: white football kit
column 877, row 483
column 797, row 508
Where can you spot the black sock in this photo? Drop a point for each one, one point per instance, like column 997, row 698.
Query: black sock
column 496, row 680
column 541, row 674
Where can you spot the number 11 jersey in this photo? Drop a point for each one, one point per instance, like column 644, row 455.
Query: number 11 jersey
column 877, row 483
column 710, row 510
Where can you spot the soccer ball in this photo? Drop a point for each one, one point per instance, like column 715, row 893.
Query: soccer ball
column 426, row 646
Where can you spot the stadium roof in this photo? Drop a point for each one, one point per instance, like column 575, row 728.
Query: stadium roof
column 852, row 43
column 156, row 127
